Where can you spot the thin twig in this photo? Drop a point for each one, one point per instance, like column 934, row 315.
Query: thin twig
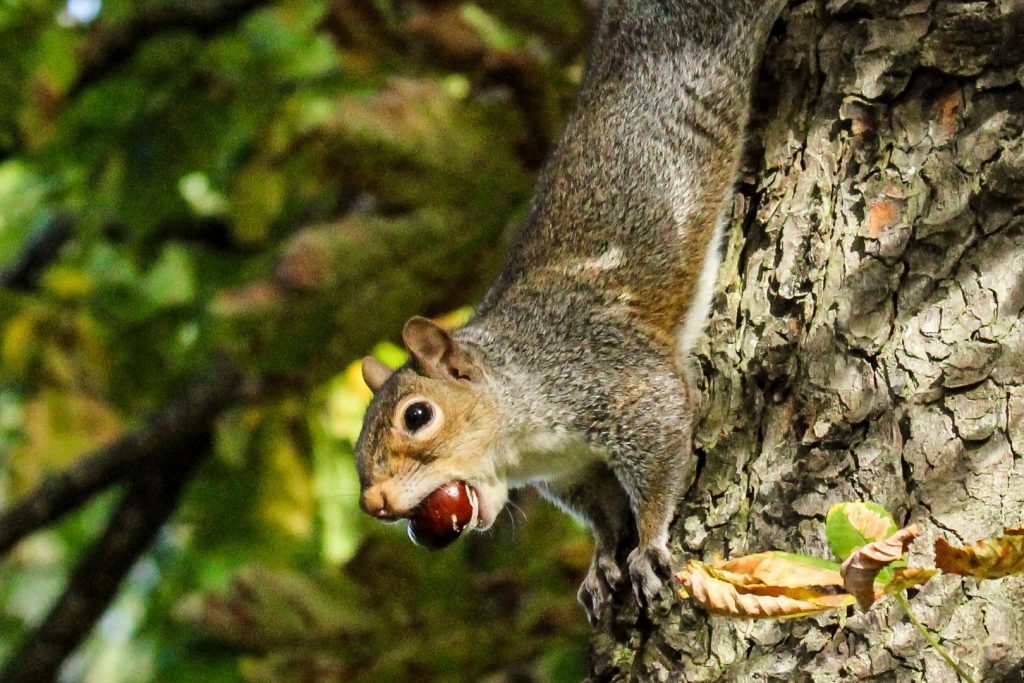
column 901, row 600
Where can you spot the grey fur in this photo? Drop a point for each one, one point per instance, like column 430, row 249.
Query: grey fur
column 579, row 334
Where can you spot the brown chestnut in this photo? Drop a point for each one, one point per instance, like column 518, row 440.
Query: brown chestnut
column 443, row 515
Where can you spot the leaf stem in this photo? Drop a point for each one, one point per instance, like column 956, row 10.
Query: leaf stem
column 901, row 599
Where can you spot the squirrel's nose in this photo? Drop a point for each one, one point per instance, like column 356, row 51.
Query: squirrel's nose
column 375, row 502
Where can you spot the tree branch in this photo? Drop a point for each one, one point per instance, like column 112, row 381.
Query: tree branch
column 148, row 503
column 109, row 47
column 166, row 437
column 439, row 36
column 39, row 251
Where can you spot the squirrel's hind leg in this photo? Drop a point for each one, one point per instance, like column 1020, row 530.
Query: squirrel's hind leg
column 661, row 442
column 598, row 499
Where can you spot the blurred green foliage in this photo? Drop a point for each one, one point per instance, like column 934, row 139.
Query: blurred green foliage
column 284, row 182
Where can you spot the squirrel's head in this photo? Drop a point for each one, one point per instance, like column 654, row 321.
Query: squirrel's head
column 431, row 421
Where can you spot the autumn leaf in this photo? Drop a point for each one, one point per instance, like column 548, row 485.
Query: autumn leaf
column 860, row 568
column 989, row 558
column 738, row 588
column 909, row 577
column 775, row 568
column 849, row 526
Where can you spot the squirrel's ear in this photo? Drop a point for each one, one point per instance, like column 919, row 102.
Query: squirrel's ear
column 434, row 350
column 375, row 373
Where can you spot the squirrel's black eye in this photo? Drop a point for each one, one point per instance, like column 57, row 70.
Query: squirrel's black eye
column 417, row 416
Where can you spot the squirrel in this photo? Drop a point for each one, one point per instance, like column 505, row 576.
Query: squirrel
column 574, row 374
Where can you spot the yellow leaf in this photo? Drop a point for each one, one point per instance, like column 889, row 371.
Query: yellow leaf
column 256, row 201
column 59, row 427
column 19, row 341
column 347, row 398
column 909, row 577
column 456, row 318
column 286, row 486
column 860, row 569
column 67, row 282
column 354, row 382
column 989, row 558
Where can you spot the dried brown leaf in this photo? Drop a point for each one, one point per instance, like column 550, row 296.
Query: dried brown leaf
column 745, row 596
column 781, row 569
column 860, row 569
column 989, row 558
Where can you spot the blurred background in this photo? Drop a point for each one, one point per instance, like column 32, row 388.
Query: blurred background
column 209, row 210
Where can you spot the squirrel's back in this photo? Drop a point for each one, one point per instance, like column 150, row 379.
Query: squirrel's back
column 627, row 212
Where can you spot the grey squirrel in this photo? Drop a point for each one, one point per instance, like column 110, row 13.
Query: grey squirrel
column 574, row 373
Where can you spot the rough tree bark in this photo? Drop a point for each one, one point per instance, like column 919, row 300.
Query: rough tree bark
column 866, row 342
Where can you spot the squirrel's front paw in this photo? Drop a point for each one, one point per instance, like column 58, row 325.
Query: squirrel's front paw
column 647, row 567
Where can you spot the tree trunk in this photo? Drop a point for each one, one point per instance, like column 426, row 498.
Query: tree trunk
column 866, row 342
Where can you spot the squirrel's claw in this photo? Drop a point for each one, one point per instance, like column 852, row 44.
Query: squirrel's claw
column 610, row 569
column 646, row 567
column 595, row 594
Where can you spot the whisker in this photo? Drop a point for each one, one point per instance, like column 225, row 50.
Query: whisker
column 517, row 508
column 512, row 517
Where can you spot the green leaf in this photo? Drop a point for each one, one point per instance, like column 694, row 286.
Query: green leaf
column 390, row 354
column 201, row 197
column 22, row 195
column 818, row 562
column 488, row 28
column 256, row 201
column 171, row 281
column 849, row 526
